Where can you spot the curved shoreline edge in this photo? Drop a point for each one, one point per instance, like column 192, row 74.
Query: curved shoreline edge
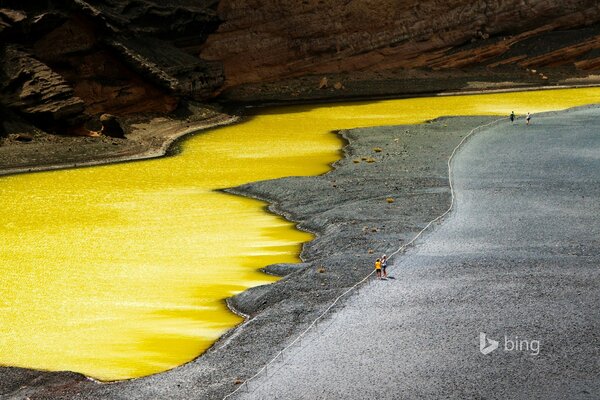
column 514, row 255
column 279, row 309
column 156, row 137
column 152, row 138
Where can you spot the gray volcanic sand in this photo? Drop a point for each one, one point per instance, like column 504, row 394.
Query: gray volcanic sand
column 518, row 257
column 348, row 211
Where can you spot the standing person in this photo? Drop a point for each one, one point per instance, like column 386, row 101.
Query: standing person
column 384, row 265
column 378, row 268
column 512, row 117
column 527, row 118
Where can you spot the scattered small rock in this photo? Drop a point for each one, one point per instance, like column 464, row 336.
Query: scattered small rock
column 321, row 269
column 24, row 137
column 370, row 160
column 377, row 150
column 389, row 200
column 356, row 161
column 324, row 83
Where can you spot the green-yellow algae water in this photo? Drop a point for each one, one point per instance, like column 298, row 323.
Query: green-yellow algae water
column 120, row 271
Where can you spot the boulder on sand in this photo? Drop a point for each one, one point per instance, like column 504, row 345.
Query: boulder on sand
column 111, row 126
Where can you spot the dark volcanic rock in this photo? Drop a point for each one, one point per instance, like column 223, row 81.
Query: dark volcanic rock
column 33, row 89
column 3, row 117
column 170, row 67
column 73, row 36
column 8, row 18
column 271, row 40
column 167, row 20
column 63, row 62
column 111, row 126
column 24, row 137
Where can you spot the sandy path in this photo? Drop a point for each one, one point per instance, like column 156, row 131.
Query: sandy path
column 517, row 257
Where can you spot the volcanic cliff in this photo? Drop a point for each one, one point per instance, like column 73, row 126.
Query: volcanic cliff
column 65, row 62
column 267, row 40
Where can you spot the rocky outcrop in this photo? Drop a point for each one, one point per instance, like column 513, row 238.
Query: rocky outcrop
column 130, row 56
column 65, row 62
column 272, row 40
column 169, row 67
column 35, row 90
column 8, row 18
column 111, row 126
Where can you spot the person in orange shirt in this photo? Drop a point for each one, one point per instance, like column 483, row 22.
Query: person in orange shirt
column 378, row 268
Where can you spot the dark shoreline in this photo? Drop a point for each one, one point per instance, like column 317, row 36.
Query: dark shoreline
column 148, row 137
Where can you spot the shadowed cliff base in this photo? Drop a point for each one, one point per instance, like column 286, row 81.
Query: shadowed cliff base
column 148, row 136
column 374, row 85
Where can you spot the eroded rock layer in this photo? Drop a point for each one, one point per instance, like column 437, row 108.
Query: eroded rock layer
column 82, row 58
column 63, row 63
column 271, row 40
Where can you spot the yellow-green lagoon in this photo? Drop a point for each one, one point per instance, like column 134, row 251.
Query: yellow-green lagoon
column 121, row 271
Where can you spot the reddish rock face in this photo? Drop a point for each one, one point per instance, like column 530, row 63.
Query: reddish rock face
column 101, row 80
column 268, row 40
column 63, row 63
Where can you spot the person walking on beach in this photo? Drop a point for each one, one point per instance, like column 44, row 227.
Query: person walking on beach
column 512, row 117
column 378, row 268
column 527, row 118
column 384, row 266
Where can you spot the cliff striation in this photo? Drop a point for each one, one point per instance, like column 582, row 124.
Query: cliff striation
column 271, row 40
column 64, row 63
